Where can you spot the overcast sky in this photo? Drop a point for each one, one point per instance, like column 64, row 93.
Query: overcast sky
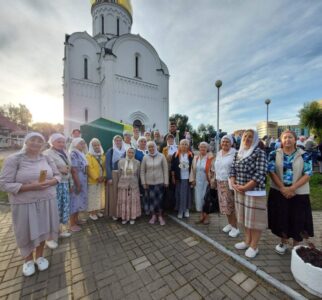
column 259, row 49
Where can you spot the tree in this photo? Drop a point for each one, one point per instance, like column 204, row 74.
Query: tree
column 311, row 116
column 18, row 114
column 46, row 129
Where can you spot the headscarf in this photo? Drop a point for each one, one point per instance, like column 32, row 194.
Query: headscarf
column 244, row 153
column 229, row 138
column 129, row 165
column 171, row 148
column 156, row 152
column 73, row 145
column 54, row 137
column 138, row 147
column 28, row 137
column 118, row 153
column 91, row 148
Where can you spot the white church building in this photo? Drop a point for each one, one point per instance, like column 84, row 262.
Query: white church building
column 113, row 73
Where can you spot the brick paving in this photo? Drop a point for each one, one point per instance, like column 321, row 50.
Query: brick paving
column 268, row 260
column 110, row 261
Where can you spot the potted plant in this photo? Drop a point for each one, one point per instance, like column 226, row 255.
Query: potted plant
column 306, row 267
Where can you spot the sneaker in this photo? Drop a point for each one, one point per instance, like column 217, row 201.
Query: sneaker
column 42, row 263
column 93, row 217
column 65, row 234
column 153, row 219
column 124, row 222
column 281, row 248
column 28, row 268
column 241, row 246
column 234, row 232
column 180, row 215
column 75, row 228
column 227, row 228
column 100, row 215
column 132, row 222
column 161, row 220
column 114, row 218
column 186, row 213
column 52, row 244
column 251, row 253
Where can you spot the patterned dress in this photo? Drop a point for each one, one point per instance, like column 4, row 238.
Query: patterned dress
column 79, row 202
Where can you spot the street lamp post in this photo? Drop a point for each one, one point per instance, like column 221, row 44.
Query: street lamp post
column 267, row 102
column 218, row 85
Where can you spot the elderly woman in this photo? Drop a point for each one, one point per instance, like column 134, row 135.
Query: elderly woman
column 127, row 136
column 248, row 176
column 96, row 179
column 30, row 178
column 113, row 156
column 154, row 177
column 79, row 195
column 141, row 149
column 62, row 161
column 180, row 172
column 289, row 209
column 128, row 200
column 221, row 169
column 200, row 174
column 135, row 137
column 147, row 135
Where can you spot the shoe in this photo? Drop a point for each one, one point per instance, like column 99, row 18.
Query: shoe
column 241, row 246
column 132, row 222
column 234, row 232
column 227, row 228
column 52, row 244
column 180, row 215
column 75, row 228
column 124, row 222
column 65, row 234
column 114, row 218
column 42, row 263
column 281, row 248
column 100, row 215
column 153, row 219
column 28, row 268
column 161, row 220
column 186, row 213
column 251, row 253
column 93, row 217
column 199, row 222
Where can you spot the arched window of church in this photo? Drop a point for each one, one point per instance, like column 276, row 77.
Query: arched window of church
column 86, row 115
column 118, row 26
column 85, row 68
column 102, row 24
column 137, row 65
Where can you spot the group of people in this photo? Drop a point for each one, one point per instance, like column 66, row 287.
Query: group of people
column 149, row 175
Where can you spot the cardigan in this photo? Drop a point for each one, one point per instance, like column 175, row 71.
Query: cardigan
column 154, row 170
column 60, row 163
column 94, row 169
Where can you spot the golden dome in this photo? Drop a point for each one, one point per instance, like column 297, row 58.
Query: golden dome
column 124, row 3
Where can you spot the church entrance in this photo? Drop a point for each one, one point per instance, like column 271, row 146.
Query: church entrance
column 138, row 124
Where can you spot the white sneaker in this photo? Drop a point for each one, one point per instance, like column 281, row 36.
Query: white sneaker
column 124, row 222
column 281, row 248
column 28, row 268
column 251, row 253
column 52, row 244
column 241, row 246
column 93, row 217
column 132, row 222
column 114, row 218
column 65, row 234
column 186, row 213
column 180, row 215
column 227, row 228
column 42, row 263
column 234, row 232
column 100, row 215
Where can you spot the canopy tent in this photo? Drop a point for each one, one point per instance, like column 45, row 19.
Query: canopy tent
column 104, row 130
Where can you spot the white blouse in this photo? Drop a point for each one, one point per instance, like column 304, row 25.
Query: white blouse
column 222, row 164
column 184, row 166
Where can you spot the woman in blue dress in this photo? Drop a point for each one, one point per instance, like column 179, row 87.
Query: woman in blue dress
column 78, row 197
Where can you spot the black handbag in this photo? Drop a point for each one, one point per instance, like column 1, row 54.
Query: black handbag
column 211, row 204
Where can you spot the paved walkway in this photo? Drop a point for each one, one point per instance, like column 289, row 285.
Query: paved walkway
column 110, row 261
column 272, row 263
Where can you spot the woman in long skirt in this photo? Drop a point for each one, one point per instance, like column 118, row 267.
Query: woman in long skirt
column 128, row 196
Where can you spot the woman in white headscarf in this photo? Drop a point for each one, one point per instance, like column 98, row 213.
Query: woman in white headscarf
column 128, row 197
column 79, row 196
column 96, row 179
column 30, row 178
column 61, row 158
column 113, row 155
column 248, row 178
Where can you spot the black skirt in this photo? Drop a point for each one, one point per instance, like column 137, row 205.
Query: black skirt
column 290, row 218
